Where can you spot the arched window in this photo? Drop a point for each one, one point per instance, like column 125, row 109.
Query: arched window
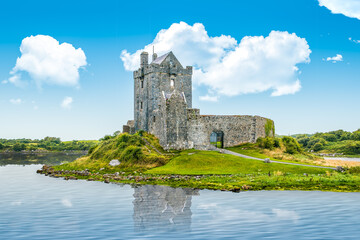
column 141, row 105
column 142, row 83
column 172, row 83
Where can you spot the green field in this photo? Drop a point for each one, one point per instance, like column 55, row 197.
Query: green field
column 194, row 162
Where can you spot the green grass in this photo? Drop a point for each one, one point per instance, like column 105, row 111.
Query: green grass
column 209, row 162
column 249, row 152
column 252, row 150
column 217, row 170
column 131, row 150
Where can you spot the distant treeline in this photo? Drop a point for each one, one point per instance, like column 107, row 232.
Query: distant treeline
column 46, row 144
column 339, row 141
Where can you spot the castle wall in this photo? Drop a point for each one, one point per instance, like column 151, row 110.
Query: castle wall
column 237, row 129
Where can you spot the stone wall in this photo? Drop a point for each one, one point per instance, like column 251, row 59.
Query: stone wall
column 237, row 129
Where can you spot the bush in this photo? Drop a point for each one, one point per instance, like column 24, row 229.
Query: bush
column 318, row 146
column 291, row 145
column 277, row 142
column 269, row 142
column 132, row 153
column 141, row 132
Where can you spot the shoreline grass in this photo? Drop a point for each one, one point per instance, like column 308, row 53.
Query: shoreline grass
column 141, row 164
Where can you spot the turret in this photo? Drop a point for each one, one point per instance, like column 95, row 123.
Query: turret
column 144, row 59
column 154, row 56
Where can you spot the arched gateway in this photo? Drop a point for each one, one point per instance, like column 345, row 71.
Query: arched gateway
column 217, row 139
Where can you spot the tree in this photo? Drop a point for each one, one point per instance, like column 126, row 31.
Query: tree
column 318, row 146
column 19, row 147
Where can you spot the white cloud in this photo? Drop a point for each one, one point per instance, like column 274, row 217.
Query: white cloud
column 16, row 80
column 66, row 202
column 227, row 67
column 353, row 40
column 48, row 62
column 337, row 58
column 209, row 98
column 349, row 8
column 67, row 102
column 4, row 81
column 16, row 101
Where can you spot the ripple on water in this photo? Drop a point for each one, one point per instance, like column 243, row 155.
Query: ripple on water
column 33, row 206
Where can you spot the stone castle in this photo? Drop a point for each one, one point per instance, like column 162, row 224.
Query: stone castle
column 163, row 107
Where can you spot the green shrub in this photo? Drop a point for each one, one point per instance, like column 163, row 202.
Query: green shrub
column 277, row 143
column 291, row 145
column 141, row 132
column 132, row 153
column 269, row 143
column 318, row 146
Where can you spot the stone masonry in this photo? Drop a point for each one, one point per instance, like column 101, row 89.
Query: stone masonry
column 163, row 107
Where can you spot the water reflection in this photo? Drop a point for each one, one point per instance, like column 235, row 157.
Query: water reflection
column 49, row 158
column 161, row 207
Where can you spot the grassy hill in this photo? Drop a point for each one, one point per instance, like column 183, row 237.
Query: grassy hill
column 136, row 152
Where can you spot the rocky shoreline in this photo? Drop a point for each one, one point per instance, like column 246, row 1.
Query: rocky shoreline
column 131, row 179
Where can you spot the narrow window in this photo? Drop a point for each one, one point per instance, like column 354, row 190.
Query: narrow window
column 154, row 119
column 172, row 83
column 142, row 83
column 141, row 106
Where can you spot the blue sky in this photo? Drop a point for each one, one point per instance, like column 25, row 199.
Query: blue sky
column 102, row 95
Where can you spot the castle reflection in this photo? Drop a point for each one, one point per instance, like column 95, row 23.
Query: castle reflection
column 162, row 207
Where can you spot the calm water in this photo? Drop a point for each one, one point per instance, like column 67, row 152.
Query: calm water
column 343, row 159
column 33, row 206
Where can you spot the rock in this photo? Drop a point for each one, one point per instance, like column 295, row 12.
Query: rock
column 246, row 187
column 114, row 162
column 117, row 174
column 267, row 160
column 106, row 180
column 305, row 174
column 340, row 169
column 101, row 169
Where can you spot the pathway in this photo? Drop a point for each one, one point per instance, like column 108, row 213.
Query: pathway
column 271, row 161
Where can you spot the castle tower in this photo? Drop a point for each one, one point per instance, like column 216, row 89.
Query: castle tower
column 155, row 81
